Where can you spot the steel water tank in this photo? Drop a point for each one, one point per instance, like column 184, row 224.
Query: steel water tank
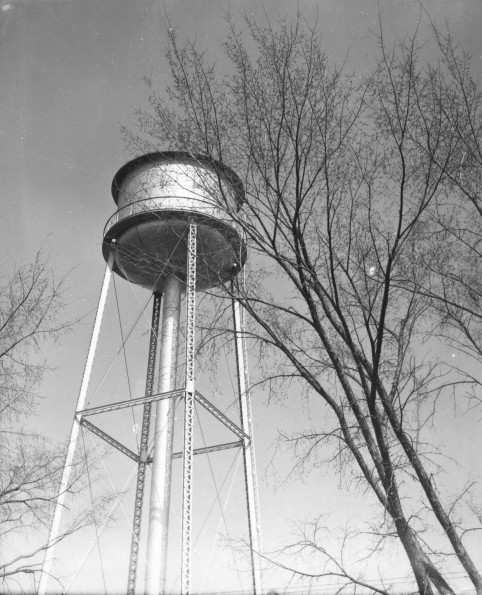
column 157, row 195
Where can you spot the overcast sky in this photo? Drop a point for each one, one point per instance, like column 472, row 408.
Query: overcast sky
column 70, row 75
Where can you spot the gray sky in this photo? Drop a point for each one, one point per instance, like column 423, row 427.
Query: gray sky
column 70, row 73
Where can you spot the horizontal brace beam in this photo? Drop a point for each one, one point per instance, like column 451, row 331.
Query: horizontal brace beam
column 112, row 441
column 219, row 415
column 130, row 403
column 208, row 449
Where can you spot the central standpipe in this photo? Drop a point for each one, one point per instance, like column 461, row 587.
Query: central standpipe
column 156, row 558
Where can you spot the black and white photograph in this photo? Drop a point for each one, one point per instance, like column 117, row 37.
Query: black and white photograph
column 241, row 297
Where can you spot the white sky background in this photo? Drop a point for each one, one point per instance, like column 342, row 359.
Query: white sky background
column 70, row 74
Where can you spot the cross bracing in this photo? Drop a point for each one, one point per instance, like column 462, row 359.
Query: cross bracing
column 213, row 410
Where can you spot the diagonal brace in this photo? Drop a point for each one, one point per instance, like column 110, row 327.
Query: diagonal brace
column 220, row 416
column 112, row 441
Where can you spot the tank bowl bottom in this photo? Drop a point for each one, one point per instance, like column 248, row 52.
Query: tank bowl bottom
column 149, row 247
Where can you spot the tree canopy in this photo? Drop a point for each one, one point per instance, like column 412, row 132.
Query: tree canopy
column 362, row 215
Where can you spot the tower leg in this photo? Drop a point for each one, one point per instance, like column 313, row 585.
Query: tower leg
column 64, row 484
column 188, row 413
column 248, row 451
column 163, row 442
column 141, row 470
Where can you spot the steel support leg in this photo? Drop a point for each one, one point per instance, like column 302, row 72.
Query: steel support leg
column 64, row 483
column 188, row 413
column 248, row 451
column 141, row 469
column 163, row 443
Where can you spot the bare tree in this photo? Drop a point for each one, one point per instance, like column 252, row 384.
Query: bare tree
column 344, row 181
column 451, row 104
column 31, row 306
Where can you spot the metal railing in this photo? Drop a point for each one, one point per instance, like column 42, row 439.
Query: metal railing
column 147, row 205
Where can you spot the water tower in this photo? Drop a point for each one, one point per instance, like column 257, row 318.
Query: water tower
column 173, row 233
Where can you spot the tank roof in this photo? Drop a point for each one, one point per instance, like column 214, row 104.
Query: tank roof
column 180, row 157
